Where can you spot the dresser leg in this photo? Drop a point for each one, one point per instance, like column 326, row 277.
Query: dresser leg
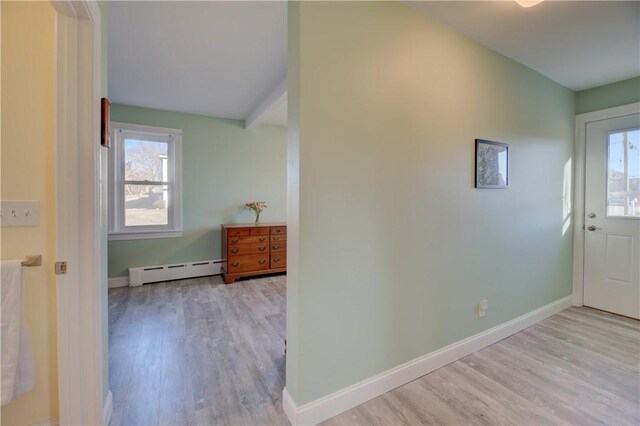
column 229, row 279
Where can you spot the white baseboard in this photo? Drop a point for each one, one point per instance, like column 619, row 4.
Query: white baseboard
column 50, row 422
column 338, row 402
column 107, row 409
column 191, row 270
column 118, row 282
column 175, row 271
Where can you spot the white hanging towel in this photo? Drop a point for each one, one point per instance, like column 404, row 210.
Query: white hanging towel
column 17, row 357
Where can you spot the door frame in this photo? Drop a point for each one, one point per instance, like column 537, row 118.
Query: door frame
column 80, row 215
column 579, row 177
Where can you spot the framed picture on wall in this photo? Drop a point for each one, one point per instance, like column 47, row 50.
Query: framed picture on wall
column 105, row 131
column 492, row 164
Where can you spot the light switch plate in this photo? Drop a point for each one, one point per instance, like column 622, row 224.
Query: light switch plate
column 19, row 213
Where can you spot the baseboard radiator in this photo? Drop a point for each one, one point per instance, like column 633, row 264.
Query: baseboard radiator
column 176, row 271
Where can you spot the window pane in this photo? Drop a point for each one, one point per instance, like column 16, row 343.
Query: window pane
column 145, row 160
column 623, row 174
column 146, row 205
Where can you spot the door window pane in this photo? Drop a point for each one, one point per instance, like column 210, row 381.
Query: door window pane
column 145, row 160
column 146, row 205
column 623, row 174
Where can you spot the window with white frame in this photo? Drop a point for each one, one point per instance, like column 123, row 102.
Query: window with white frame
column 146, row 182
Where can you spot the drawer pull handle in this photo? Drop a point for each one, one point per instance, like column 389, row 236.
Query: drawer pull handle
column 263, row 248
column 261, row 240
column 235, row 250
column 276, row 238
column 235, row 264
column 235, row 240
column 276, row 260
column 262, row 262
column 276, row 246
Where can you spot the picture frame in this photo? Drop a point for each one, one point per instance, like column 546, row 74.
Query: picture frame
column 105, row 129
column 491, row 165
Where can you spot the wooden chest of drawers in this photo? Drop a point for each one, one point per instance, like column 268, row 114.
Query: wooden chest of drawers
column 249, row 250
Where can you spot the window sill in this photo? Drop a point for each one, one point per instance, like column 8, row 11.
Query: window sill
column 123, row 236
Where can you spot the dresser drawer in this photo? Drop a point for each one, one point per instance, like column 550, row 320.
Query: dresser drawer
column 278, row 230
column 238, row 232
column 278, row 260
column 259, row 231
column 250, row 262
column 253, row 248
column 247, row 240
column 279, row 246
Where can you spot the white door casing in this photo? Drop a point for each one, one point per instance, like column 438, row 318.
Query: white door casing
column 612, row 234
column 80, row 215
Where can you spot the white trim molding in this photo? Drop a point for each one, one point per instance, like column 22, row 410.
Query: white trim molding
column 144, row 128
column 107, row 409
column 338, row 402
column 51, row 422
column 582, row 120
column 117, row 282
column 80, row 213
column 126, row 236
column 171, row 182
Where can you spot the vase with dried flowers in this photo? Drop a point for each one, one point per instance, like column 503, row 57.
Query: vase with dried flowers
column 257, row 207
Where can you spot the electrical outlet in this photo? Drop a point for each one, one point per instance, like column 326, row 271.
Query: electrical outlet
column 482, row 308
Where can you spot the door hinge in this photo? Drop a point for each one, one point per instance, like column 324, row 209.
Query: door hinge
column 61, row 268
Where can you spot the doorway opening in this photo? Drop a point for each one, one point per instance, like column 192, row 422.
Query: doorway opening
column 196, row 287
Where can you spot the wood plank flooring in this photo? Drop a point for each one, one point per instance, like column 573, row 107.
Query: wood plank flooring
column 199, row 352
column 579, row 367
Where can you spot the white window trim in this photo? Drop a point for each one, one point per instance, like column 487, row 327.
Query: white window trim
column 116, row 231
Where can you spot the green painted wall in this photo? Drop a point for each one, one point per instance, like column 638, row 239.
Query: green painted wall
column 224, row 165
column 611, row 95
column 396, row 246
column 293, row 195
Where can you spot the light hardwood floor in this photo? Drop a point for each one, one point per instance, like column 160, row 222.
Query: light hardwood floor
column 579, row 367
column 199, row 352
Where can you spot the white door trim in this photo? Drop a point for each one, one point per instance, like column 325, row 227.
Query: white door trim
column 578, row 213
column 79, row 210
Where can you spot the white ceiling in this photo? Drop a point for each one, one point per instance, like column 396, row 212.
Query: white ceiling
column 579, row 44
column 219, row 59
column 229, row 59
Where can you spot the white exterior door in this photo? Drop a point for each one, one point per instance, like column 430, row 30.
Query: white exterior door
column 612, row 215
